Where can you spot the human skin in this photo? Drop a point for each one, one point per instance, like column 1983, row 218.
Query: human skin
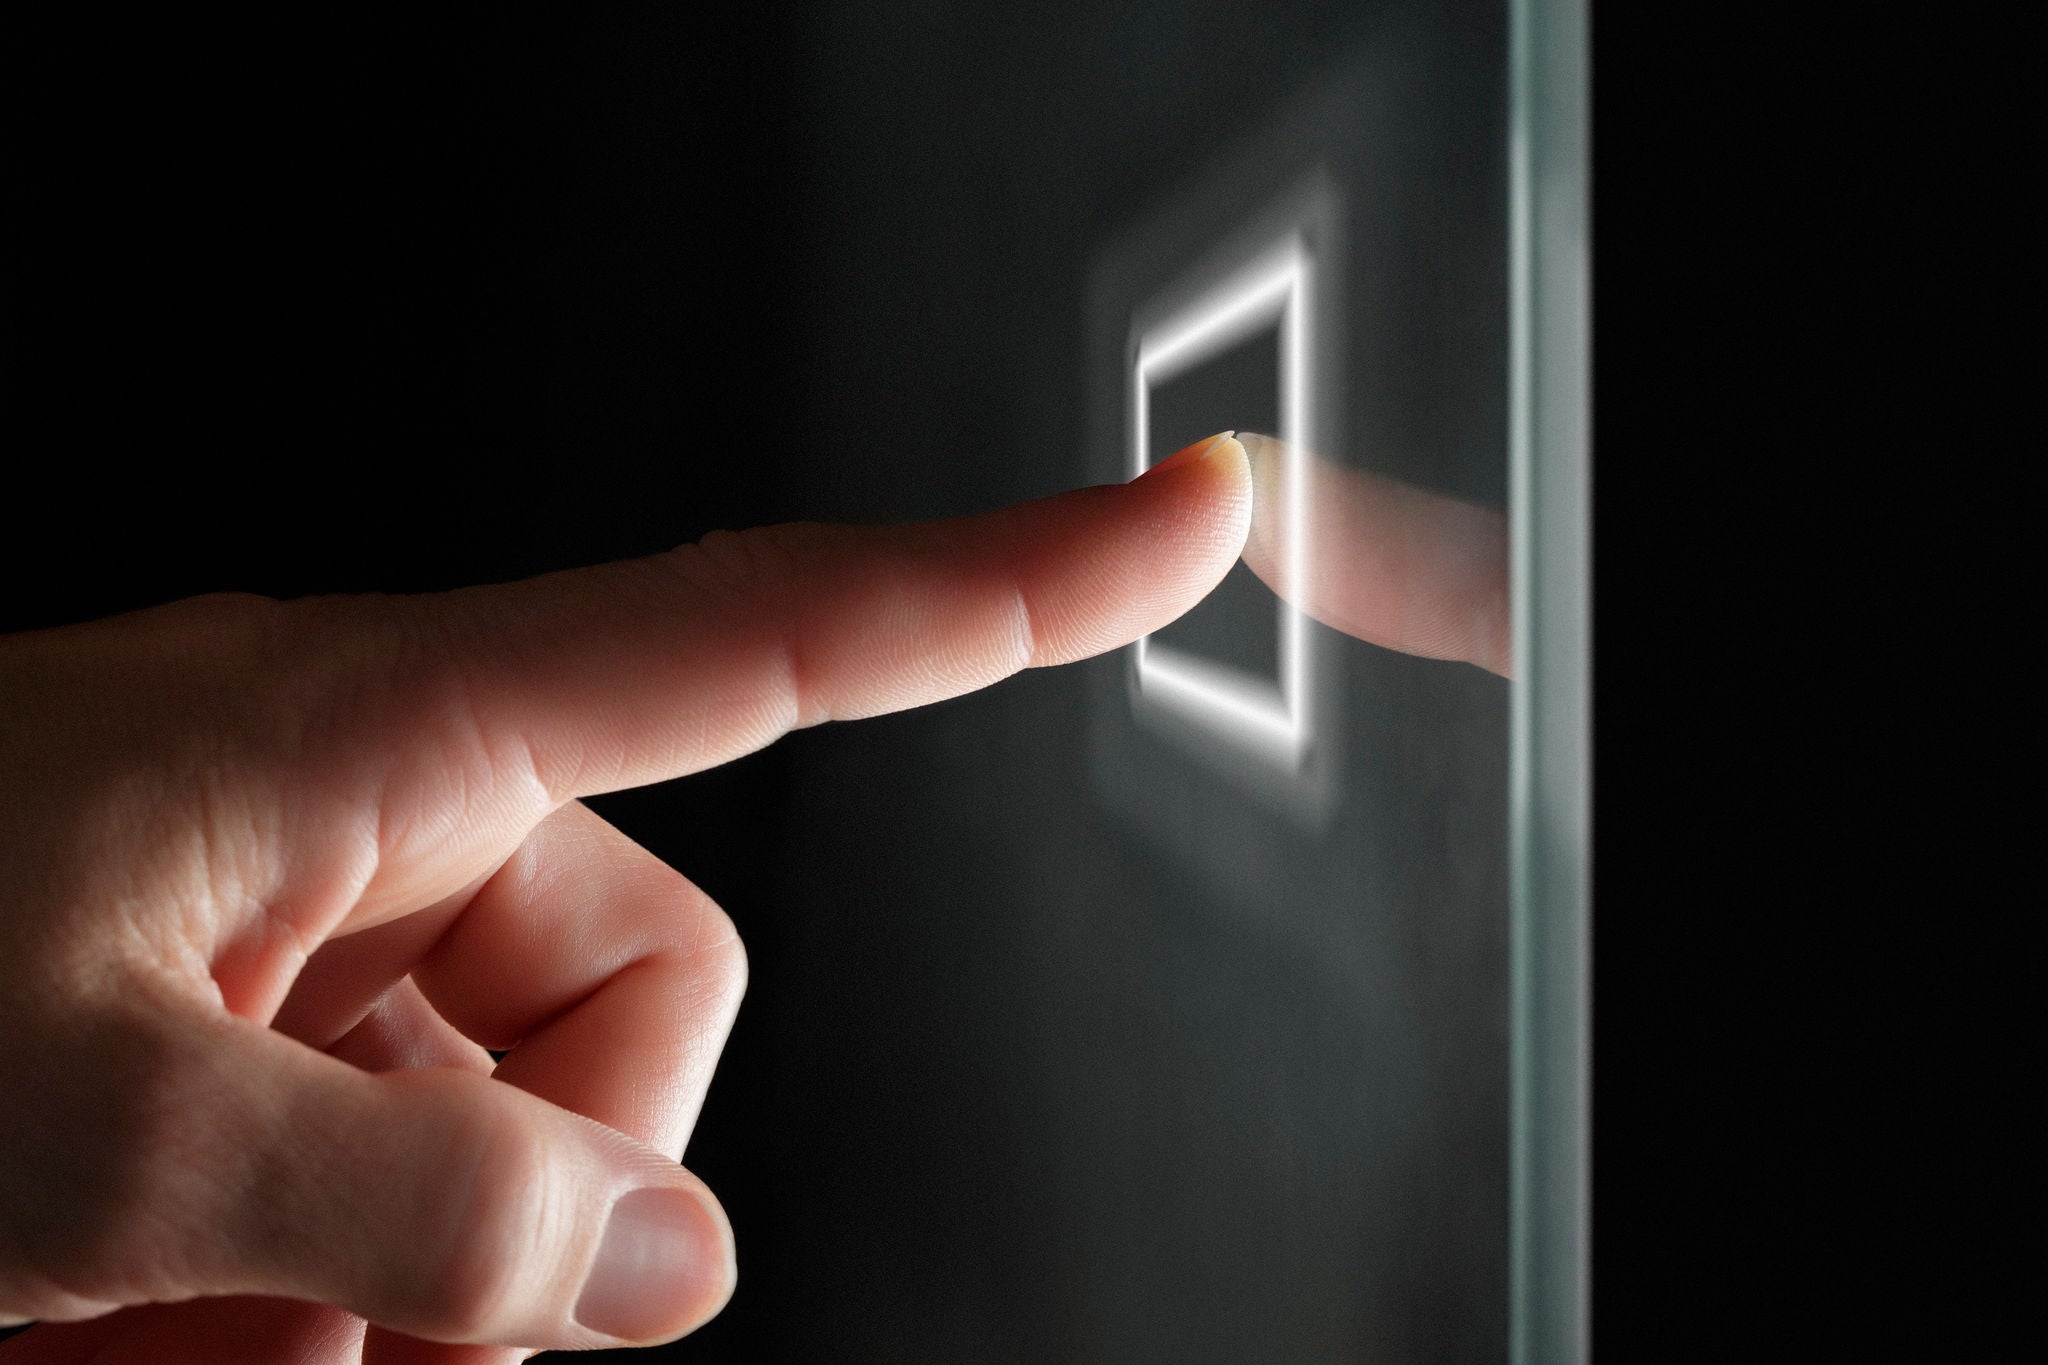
column 274, row 876
column 1380, row 560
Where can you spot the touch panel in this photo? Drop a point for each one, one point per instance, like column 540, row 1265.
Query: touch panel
column 1241, row 339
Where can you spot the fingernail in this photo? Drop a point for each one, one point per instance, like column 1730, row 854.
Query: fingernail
column 664, row 1265
column 1189, row 454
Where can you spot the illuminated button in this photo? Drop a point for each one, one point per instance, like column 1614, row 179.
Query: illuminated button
column 1236, row 353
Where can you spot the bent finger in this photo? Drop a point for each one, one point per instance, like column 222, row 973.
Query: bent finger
column 436, row 1202
column 403, row 1032
column 611, row 979
column 399, row 1030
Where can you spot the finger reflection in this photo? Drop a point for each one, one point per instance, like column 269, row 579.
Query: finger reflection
column 1380, row 560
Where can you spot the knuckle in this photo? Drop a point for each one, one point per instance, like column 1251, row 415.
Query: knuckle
column 356, row 659
column 491, row 1181
column 709, row 949
column 238, row 620
column 379, row 695
column 273, row 679
column 750, row 569
column 721, row 958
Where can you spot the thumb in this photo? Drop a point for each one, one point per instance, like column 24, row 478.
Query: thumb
column 442, row 1204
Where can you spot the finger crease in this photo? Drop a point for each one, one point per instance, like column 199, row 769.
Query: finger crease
column 1025, row 624
column 801, row 709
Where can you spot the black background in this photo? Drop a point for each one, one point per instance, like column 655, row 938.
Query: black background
column 1805, row 394
column 342, row 304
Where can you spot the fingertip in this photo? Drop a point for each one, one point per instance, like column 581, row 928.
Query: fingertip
column 1223, row 447
column 1215, row 475
column 1228, row 465
column 1101, row 567
column 664, row 1267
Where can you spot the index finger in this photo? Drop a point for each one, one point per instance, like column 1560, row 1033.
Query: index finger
column 630, row 673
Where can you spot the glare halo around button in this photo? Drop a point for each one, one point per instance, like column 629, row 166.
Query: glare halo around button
column 1272, row 288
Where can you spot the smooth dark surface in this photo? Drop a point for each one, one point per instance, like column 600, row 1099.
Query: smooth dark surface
column 1077, row 1099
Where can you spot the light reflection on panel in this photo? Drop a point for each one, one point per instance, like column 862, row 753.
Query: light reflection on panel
column 1267, row 717
column 1194, row 322
column 1305, row 777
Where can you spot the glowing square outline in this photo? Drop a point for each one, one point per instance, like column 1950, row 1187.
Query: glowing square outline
column 1273, row 287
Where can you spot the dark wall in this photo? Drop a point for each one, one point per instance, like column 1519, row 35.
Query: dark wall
column 467, row 298
column 362, row 305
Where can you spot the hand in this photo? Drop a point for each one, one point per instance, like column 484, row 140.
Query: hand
column 1380, row 560
column 273, row 876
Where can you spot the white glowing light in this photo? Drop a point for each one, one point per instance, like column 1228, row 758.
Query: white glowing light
column 1268, row 718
